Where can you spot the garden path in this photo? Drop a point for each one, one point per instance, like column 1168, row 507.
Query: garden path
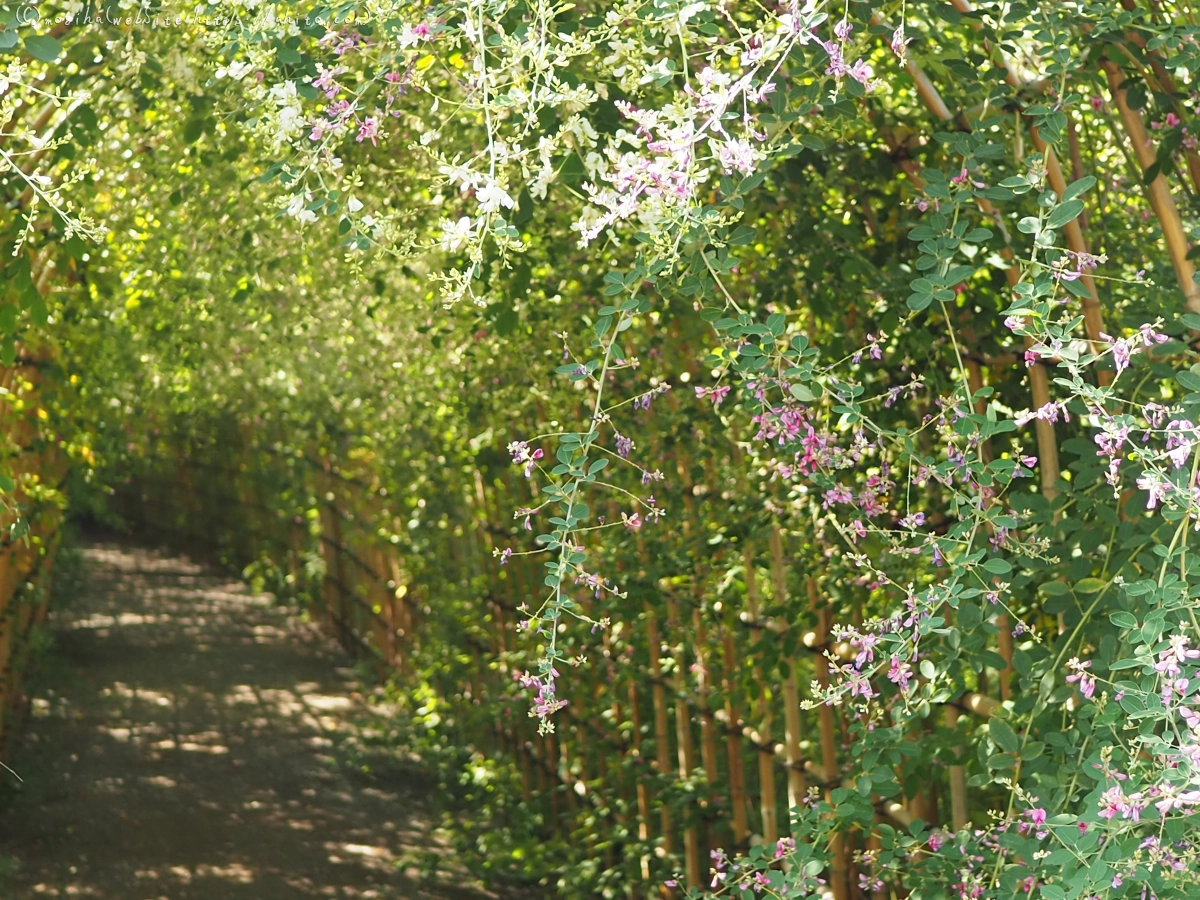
column 191, row 743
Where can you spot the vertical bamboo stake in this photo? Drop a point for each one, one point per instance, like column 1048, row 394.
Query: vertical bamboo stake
column 684, row 747
column 643, row 795
column 958, row 780
column 791, row 694
column 1160, row 194
column 1166, row 85
column 708, row 727
column 766, row 748
column 1006, row 650
column 662, row 743
column 825, row 722
column 733, row 741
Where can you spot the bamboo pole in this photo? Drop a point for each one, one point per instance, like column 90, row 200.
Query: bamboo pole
column 1005, row 640
column 829, row 763
column 1158, row 191
column 958, row 780
column 733, row 741
column 643, row 794
column 684, row 746
column 766, row 748
column 1166, row 86
column 797, row 789
column 662, row 742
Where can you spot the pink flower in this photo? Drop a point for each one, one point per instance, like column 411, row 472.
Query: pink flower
column 899, row 673
column 1154, row 486
column 862, row 72
column 736, row 155
column 1112, row 802
column 860, row 686
column 368, row 130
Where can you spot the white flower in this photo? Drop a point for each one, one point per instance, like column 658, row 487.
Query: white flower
column 461, row 175
column 455, row 234
column 491, row 197
column 284, row 92
column 235, row 71
column 354, row 204
column 290, row 122
column 295, row 207
column 409, row 36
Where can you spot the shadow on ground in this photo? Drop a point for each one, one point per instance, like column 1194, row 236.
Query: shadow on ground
column 184, row 748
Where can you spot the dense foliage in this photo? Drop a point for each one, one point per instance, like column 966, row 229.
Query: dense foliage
column 739, row 390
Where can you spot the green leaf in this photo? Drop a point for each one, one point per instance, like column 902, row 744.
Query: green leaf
column 1003, row 735
column 802, row 393
column 743, row 234
column 1188, row 379
column 43, row 47
column 998, row 566
column 1090, row 585
column 1064, row 213
column 918, row 302
column 1123, row 619
column 1032, row 750
column 1076, row 188
column 928, row 671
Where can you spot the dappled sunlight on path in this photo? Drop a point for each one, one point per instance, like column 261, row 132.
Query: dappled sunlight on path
column 188, row 750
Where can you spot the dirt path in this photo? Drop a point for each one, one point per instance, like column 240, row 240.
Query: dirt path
column 185, row 749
